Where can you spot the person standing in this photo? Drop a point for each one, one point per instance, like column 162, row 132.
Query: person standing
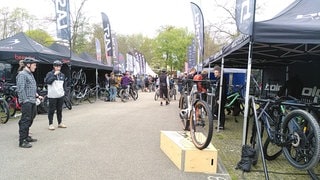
column 55, row 80
column 27, row 93
column 113, row 88
column 164, row 86
column 215, row 107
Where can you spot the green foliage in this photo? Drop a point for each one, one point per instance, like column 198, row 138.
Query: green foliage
column 170, row 47
column 41, row 36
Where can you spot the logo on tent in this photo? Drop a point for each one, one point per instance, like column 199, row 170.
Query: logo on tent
column 13, row 42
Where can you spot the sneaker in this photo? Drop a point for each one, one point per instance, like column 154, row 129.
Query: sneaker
column 51, row 127
column 220, row 128
column 30, row 139
column 25, row 144
column 161, row 104
column 167, row 103
column 61, row 125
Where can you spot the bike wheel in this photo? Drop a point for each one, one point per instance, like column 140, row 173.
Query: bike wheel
column 303, row 134
column 183, row 105
column 4, row 111
column 83, row 78
column 74, row 78
column 156, row 95
column 103, row 94
column 270, row 150
column 134, row 94
column 74, row 99
column 201, row 125
column 123, row 95
column 67, row 102
column 11, row 105
column 174, row 94
column 92, row 97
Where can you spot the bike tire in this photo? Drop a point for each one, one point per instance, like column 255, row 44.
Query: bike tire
column 91, row 96
column 74, row 78
column 67, row 102
column 183, row 105
column 11, row 105
column 4, row 111
column 83, row 78
column 123, row 95
column 103, row 94
column 134, row 94
column 304, row 152
column 156, row 95
column 270, row 151
column 201, row 124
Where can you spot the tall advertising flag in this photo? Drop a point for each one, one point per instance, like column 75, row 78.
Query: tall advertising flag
column 245, row 11
column 63, row 19
column 199, row 28
column 107, row 38
column 98, row 49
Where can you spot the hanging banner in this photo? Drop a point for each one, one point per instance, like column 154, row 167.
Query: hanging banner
column 191, row 55
column 245, row 16
column 199, row 27
column 63, row 19
column 107, row 38
column 98, row 49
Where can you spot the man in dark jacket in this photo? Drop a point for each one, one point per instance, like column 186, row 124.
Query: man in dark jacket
column 164, row 86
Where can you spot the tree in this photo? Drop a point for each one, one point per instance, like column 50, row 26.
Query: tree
column 41, row 36
column 14, row 22
column 171, row 47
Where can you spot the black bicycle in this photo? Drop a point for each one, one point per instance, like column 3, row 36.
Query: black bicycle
column 296, row 133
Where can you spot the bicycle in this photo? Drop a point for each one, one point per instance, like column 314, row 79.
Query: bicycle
column 81, row 93
column 78, row 76
column 102, row 92
column 11, row 97
column 173, row 92
column 4, row 111
column 157, row 94
column 287, row 104
column 126, row 93
column 297, row 133
column 196, row 115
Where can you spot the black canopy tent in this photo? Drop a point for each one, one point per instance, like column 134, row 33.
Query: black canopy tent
column 19, row 46
column 291, row 37
column 90, row 59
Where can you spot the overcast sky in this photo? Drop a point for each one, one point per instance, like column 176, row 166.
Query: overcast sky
column 142, row 16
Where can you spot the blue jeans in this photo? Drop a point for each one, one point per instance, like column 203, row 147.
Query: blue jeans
column 113, row 93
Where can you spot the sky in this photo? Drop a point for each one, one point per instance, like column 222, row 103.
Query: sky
column 142, row 16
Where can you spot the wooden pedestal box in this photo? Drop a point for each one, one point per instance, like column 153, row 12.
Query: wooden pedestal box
column 178, row 146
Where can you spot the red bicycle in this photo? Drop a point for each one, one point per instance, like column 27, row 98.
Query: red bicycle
column 11, row 97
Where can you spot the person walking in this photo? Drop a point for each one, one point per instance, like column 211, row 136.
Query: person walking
column 27, row 93
column 215, row 107
column 55, row 80
column 164, row 86
column 113, row 88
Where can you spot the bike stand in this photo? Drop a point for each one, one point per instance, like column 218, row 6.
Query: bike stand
column 260, row 142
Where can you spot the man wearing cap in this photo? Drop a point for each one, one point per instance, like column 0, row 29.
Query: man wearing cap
column 55, row 80
column 27, row 93
column 215, row 107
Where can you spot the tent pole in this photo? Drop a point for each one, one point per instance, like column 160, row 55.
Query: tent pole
column 220, row 93
column 97, row 84
column 246, row 106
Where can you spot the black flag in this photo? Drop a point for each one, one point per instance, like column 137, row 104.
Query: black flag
column 245, row 11
column 63, row 19
column 199, row 27
column 107, row 37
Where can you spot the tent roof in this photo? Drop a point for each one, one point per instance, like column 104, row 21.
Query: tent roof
column 290, row 37
column 90, row 59
column 75, row 60
column 20, row 45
